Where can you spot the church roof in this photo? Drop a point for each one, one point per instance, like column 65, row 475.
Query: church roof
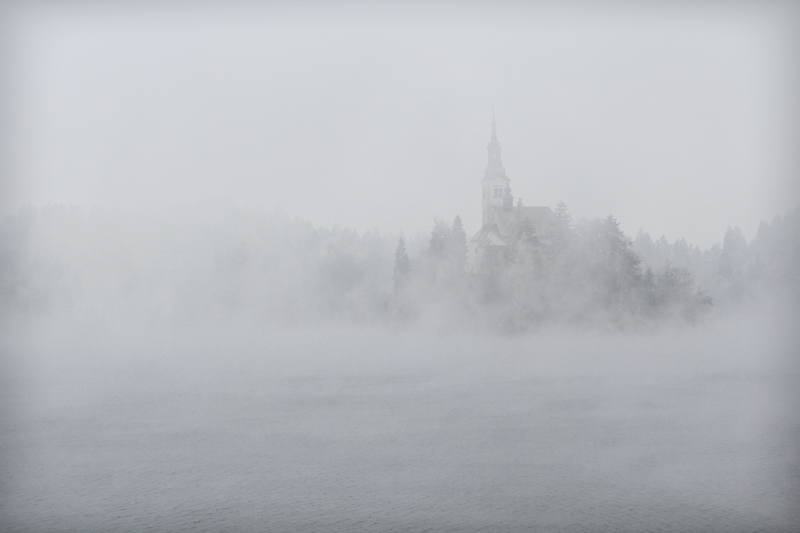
column 502, row 222
column 489, row 236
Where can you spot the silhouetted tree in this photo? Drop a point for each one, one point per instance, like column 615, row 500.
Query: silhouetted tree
column 612, row 263
column 402, row 266
column 734, row 254
column 677, row 294
column 561, row 230
column 456, row 246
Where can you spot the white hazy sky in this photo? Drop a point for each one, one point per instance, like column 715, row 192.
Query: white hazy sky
column 678, row 118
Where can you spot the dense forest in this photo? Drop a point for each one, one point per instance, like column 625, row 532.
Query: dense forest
column 217, row 261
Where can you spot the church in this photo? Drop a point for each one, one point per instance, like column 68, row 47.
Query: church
column 500, row 216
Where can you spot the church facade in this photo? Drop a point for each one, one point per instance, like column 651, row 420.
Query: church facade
column 500, row 218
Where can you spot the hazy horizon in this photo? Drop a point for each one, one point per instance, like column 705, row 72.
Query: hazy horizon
column 679, row 120
column 215, row 339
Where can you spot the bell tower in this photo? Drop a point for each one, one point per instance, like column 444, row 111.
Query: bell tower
column 496, row 189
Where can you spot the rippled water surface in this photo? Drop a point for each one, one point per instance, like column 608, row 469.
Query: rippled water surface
column 369, row 430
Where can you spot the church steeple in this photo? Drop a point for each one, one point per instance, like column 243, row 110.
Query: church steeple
column 496, row 190
column 494, row 168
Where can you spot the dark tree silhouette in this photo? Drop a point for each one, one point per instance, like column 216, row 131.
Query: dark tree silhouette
column 457, row 249
column 561, row 230
column 402, row 266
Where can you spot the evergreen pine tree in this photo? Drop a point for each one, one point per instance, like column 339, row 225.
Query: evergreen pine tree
column 457, row 247
column 734, row 254
column 402, row 266
column 619, row 264
column 562, row 231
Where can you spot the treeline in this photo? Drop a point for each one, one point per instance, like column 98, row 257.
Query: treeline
column 217, row 261
column 590, row 272
column 734, row 272
column 583, row 273
column 208, row 261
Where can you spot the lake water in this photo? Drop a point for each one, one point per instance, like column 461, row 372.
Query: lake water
column 374, row 430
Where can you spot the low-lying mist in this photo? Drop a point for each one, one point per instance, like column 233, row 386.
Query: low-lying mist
column 214, row 368
column 215, row 262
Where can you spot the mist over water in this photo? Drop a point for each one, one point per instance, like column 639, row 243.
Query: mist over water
column 251, row 279
column 170, row 370
column 373, row 429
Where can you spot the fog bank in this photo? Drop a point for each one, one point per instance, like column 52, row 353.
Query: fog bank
column 369, row 428
column 218, row 263
column 210, row 367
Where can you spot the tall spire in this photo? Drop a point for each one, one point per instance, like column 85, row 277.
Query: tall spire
column 496, row 190
column 494, row 168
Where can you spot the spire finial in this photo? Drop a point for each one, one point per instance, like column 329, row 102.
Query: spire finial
column 494, row 129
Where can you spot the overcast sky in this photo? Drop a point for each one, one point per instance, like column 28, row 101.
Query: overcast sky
column 679, row 120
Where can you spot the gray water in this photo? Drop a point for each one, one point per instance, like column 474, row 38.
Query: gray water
column 344, row 429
